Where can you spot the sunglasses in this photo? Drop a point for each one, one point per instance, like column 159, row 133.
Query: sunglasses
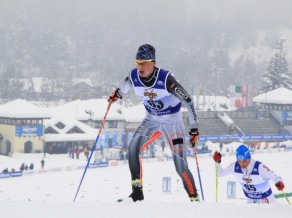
column 144, row 62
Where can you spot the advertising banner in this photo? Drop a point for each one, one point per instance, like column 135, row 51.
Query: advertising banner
column 29, row 130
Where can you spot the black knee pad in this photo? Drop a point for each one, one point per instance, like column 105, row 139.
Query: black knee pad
column 177, row 141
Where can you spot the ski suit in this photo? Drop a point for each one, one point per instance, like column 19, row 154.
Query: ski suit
column 162, row 100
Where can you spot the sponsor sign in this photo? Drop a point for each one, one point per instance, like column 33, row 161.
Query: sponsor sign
column 10, row 174
column 97, row 164
column 29, row 130
column 245, row 137
column 16, row 174
column 4, row 175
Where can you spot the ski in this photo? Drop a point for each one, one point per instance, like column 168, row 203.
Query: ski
column 125, row 200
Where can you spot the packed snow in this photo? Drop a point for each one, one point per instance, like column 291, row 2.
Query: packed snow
column 49, row 192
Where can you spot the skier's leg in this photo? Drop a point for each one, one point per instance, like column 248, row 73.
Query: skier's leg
column 141, row 135
column 175, row 135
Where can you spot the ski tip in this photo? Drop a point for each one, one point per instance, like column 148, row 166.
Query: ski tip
column 126, row 200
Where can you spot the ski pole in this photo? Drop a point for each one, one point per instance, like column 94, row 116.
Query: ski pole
column 216, row 181
column 93, row 148
column 197, row 163
column 286, row 197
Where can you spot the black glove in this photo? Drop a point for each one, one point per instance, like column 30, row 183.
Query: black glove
column 217, row 157
column 115, row 96
column 194, row 135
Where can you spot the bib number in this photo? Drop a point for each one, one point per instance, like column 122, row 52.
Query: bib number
column 250, row 187
column 158, row 105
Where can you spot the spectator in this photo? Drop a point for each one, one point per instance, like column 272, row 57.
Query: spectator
column 221, row 146
column 31, row 166
column 77, row 153
column 43, row 163
column 86, row 152
column 122, row 156
column 69, row 152
column 22, row 167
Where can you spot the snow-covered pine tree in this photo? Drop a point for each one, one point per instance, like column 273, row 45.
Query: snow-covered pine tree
column 277, row 74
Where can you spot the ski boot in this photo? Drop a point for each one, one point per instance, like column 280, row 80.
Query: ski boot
column 195, row 199
column 136, row 195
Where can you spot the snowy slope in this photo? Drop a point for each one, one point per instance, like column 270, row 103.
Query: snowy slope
column 51, row 194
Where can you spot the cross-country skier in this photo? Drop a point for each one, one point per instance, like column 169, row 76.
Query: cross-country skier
column 252, row 175
column 162, row 96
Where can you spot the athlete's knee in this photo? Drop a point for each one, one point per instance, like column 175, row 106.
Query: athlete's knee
column 177, row 141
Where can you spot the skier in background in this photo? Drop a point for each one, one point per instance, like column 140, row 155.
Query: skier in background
column 162, row 96
column 252, row 175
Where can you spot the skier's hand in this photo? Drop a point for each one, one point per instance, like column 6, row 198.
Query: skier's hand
column 115, row 96
column 217, row 157
column 280, row 186
column 194, row 136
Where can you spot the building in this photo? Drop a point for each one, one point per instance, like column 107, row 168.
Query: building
column 21, row 127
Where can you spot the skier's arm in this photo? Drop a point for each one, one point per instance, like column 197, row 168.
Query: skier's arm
column 126, row 86
column 266, row 173
column 119, row 92
column 175, row 88
column 225, row 171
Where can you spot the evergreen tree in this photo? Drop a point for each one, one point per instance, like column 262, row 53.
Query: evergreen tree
column 277, row 74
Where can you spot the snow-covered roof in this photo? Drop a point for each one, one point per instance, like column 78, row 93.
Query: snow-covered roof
column 277, row 96
column 76, row 81
column 68, row 123
column 85, row 109
column 22, row 109
column 62, row 133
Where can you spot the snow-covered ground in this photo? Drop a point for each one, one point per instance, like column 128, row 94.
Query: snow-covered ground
column 49, row 193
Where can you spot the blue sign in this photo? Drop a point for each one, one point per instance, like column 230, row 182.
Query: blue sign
column 16, row 174
column 123, row 138
column 245, row 137
column 10, row 174
column 29, row 130
column 97, row 164
column 98, row 142
column 93, row 165
column 115, row 138
column 4, row 175
column 103, row 164
column 130, row 136
column 106, row 140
